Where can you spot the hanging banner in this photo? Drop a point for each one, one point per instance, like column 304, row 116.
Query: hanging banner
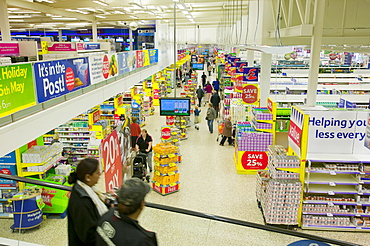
column 250, row 94
column 126, row 62
column 111, row 156
column 139, row 59
column 250, row 74
column 103, row 67
column 146, row 59
column 153, row 56
column 57, row 78
column 17, row 90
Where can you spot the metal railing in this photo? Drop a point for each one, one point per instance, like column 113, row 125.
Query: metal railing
column 198, row 214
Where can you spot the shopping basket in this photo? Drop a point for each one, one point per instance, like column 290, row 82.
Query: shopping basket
column 220, row 127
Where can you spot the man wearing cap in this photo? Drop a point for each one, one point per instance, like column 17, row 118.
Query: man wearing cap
column 119, row 226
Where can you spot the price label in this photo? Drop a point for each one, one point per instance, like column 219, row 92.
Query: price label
column 172, row 164
column 158, row 173
column 157, row 164
column 329, row 214
column 358, row 227
column 173, row 184
column 330, row 204
column 157, row 155
column 332, row 184
column 358, row 215
column 175, row 140
column 171, row 155
column 333, row 173
column 331, row 193
column 183, row 126
column 171, row 173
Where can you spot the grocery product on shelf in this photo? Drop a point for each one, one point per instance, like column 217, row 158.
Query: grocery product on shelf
column 166, row 176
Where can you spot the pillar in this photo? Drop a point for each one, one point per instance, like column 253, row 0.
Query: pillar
column 130, row 37
column 315, row 52
column 250, row 58
column 265, row 78
column 94, row 30
column 60, row 34
column 4, row 21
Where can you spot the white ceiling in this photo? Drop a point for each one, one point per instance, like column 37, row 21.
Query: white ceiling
column 76, row 14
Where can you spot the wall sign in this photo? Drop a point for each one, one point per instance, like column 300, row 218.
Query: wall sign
column 17, row 90
column 59, row 77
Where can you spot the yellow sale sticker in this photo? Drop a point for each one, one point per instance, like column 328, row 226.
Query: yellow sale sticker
column 171, row 155
column 172, row 164
column 157, row 184
column 172, row 184
column 171, row 173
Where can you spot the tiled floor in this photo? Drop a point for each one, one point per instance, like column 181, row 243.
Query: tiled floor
column 209, row 184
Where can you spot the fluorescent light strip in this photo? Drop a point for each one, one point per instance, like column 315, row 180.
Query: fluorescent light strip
column 100, row 16
column 100, row 2
column 185, row 12
column 19, row 16
column 134, row 17
column 136, row 4
column 16, row 20
column 64, row 18
column 181, row 6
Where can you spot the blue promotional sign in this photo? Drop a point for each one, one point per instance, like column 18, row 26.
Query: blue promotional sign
column 250, row 74
column 241, row 66
column 9, row 158
column 126, row 61
column 308, row 243
column 92, row 46
column 341, row 103
column 350, row 104
column 57, row 78
column 153, row 56
column 10, row 170
column 347, row 58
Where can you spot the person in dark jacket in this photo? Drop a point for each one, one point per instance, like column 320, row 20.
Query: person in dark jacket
column 204, row 78
column 120, row 225
column 216, row 85
column 200, row 94
column 215, row 100
column 227, row 132
column 85, row 205
column 211, row 116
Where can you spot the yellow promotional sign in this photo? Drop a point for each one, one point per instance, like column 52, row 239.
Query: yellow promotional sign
column 146, row 58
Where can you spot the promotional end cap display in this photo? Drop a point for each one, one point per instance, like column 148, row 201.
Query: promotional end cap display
column 133, row 192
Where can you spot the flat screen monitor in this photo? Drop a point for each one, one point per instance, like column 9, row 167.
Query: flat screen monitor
column 197, row 66
column 171, row 106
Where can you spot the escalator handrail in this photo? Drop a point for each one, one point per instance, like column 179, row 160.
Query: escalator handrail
column 197, row 214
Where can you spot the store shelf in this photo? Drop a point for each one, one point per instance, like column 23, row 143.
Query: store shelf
column 8, row 188
column 23, row 165
column 332, row 180
column 26, row 174
column 82, row 141
column 330, row 228
column 293, row 170
column 332, row 190
column 4, row 200
column 6, row 216
column 333, row 172
column 70, row 131
column 347, row 158
column 335, row 203
column 76, row 147
column 335, row 214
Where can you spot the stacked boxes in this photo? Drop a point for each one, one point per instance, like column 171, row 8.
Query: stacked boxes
column 166, row 176
column 278, row 158
column 39, row 154
column 262, row 114
column 281, row 202
column 254, row 141
column 326, row 221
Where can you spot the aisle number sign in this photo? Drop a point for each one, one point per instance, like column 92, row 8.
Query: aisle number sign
column 254, row 160
column 250, row 94
column 111, row 156
column 17, row 89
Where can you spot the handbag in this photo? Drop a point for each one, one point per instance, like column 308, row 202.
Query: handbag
column 206, row 117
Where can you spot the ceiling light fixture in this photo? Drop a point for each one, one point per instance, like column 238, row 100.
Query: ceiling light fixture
column 78, row 24
column 181, row 6
column 100, row 16
column 19, row 16
column 185, row 12
column 166, row 20
column 64, row 18
column 149, row 12
column 25, row 12
column 134, row 17
column 100, row 2
column 16, row 20
column 164, row 7
column 136, row 5
column 119, row 12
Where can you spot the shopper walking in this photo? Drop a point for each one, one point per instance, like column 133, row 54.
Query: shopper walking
column 209, row 68
column 135, row 131
column 215, row 100
column 120, row 225
column 144, row 145
column 197, row 117
column 204, row 78
column 213, row 68
column 200, row 94
column 211, row 116
column 208, row 88
column 85, row 205
column 216, row 84
column 227, row 132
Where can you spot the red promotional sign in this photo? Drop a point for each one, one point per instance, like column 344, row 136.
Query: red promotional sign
column 166, row 133
column 269, row 105
column 332, row 56
column 253, row 160
column 111, row 155
column 96, row 116
column 250, row 93
column 106, row 66
column 139, row 59
column 170, row 120
column 295, row 133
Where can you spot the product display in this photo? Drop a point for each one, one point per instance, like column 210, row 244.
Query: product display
column 166, row 176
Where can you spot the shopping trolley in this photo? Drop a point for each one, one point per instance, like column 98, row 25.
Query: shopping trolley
column 220, row 128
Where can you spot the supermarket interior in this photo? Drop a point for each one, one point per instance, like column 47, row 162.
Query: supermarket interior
column 289, row 82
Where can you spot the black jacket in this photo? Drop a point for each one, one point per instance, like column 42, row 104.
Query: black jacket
column 82, row 218
column 215, row 99
column 200, row 92
column 121, row 231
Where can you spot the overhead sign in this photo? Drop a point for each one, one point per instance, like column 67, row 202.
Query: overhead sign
column 59, row 77
column 17, row 90
column 111, row 155
column 62, row 47
column 250, row 74
column 9, row 49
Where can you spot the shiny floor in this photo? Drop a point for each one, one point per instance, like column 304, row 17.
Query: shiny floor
column 209, row 184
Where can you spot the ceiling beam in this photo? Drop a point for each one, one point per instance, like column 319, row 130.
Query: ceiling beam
column 47, row 9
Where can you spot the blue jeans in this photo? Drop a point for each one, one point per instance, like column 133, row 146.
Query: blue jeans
column 210, row 125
